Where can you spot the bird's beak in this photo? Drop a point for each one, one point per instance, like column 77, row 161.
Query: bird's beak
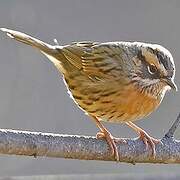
column 170, row 82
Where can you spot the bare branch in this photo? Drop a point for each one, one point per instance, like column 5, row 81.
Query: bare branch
column 173, row 128
column 88, row 148
column 83, row 147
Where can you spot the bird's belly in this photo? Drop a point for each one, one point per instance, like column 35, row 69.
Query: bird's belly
column 115, row 105
column 129, row 105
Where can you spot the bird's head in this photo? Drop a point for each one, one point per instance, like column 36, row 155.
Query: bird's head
column 154, row 69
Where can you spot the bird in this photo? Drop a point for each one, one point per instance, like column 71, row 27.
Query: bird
column 116, row 82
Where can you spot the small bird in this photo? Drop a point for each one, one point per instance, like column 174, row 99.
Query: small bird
column 118, row 82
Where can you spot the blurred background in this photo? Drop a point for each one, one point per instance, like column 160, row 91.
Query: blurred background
column 32, row 93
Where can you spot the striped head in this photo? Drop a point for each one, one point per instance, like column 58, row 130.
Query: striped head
column 154, row 69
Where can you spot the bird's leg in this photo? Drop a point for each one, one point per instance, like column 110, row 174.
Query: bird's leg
column 105, row 134
column 145, row 137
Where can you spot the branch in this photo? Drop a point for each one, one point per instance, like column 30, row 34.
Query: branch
column 173, row 128
column 88, row 148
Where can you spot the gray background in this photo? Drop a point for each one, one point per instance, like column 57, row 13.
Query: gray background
column 33, row 96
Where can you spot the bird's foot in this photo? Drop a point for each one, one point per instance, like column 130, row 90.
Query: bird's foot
column 111, row 141
column 148, row 140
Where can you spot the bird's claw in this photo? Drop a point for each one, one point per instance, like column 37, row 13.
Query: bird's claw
column 148, row 140
column 111, row 142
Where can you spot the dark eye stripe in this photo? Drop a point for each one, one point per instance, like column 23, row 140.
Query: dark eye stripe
column 161, row 57
column 166, row 62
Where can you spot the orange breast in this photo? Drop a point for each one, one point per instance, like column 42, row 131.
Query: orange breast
column 136, row 104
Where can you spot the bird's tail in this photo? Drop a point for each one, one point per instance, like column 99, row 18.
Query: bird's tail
column 29, row 40
column 52, row 52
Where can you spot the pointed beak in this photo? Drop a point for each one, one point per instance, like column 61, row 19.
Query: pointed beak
column 170, row 82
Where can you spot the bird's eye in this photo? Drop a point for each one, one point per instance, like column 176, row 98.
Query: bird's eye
column 152, row 69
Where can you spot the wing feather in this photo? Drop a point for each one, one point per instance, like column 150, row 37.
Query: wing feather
column 99, row 61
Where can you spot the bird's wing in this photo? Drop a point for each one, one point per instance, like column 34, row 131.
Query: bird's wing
column 100, row 61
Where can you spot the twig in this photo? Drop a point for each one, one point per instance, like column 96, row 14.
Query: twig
column 173, row 128
column 83, row 147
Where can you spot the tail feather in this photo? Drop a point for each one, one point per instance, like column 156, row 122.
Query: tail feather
column 29, row 40
column 53, row 53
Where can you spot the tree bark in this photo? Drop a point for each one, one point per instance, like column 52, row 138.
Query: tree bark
column 36, row 144
column 84, row 147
